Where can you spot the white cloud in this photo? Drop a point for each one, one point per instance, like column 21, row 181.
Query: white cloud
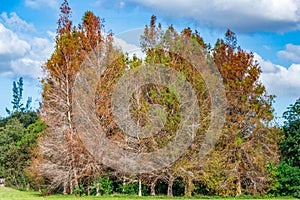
column 27, row 67
column 20, row 53
column 36, row 4
column 280, row 81
column 11, row 47
column 121, row 4
column 128, row 41
column 51, row 34
column 291, row 52
column 15, row 22
column 245, row 16
column 30, row 65
column 108, row 4
column 127, row 47
column 22, row 57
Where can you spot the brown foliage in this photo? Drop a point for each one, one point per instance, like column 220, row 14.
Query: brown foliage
column 238, row 162
column 249, row 142
column 63, row 159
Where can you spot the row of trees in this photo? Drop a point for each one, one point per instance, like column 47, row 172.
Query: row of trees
column 20, row 131
column 245, row 160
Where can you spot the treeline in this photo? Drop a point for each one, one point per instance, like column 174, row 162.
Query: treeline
column 252, row 156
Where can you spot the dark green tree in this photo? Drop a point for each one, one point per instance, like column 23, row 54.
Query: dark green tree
column 10, row 135
column 17, row 94
column 25, row 118
column 25, row 115
column 290, row 145
column 289, row 169
column 17, row 145
column 17, row 104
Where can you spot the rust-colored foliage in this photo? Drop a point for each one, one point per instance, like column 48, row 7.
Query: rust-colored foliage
column 63, row 159
column 237, row 163
column 249, row 143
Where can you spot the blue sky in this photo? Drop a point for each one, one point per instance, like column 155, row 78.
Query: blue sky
column 268, row 28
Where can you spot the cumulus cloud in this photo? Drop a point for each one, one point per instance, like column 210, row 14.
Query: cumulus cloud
column 128, row 42
column 281, row 81
column 30, row 65
column 291, row 52
column 126, row 47
column 22, row 57
column 11, row 46
column 13, row 21
column 36, row 4
column 27, row 67
column 244, row 16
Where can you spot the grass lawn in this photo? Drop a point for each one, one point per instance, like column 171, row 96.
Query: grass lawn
column 12, row 194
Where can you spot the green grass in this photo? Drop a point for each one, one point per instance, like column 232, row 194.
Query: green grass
column 12, row 194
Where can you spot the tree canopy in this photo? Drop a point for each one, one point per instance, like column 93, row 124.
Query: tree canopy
column 242, row 154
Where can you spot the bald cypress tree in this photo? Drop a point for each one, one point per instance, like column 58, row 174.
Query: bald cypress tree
column 63, row 159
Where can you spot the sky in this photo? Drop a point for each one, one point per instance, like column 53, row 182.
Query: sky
column 268, row 28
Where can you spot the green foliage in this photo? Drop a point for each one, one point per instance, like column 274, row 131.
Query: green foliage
column 288, row 171
column 161, row 188
column 18, row 137
column 10, row 159
column 290, row 145
column 272, row 169
column 178, row 188
column 17, row 94
column 102, row 185
column 80, row 191
column 17, row 104
column 16, row 145
column 33, row 131
column 130, row 189
column 26, row 118
column 289, row 180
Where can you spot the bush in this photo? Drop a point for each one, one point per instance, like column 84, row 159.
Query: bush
column 80, row 191
column 102, row 186
column 178, row 188
column 131, row 188
column 289, row 180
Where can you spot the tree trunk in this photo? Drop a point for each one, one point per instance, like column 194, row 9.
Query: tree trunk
column 140, row 186
column 76, row 183
column 124, row 183
column 189, row 187
column 152, row 188
column 65, row 188
column 97, row 191
column 71, row 187
column 239, row 187
column 28, row 186
column 170, row 186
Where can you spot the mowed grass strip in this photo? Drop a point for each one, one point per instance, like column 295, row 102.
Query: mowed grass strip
column 12, row 194
column 8, row 193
